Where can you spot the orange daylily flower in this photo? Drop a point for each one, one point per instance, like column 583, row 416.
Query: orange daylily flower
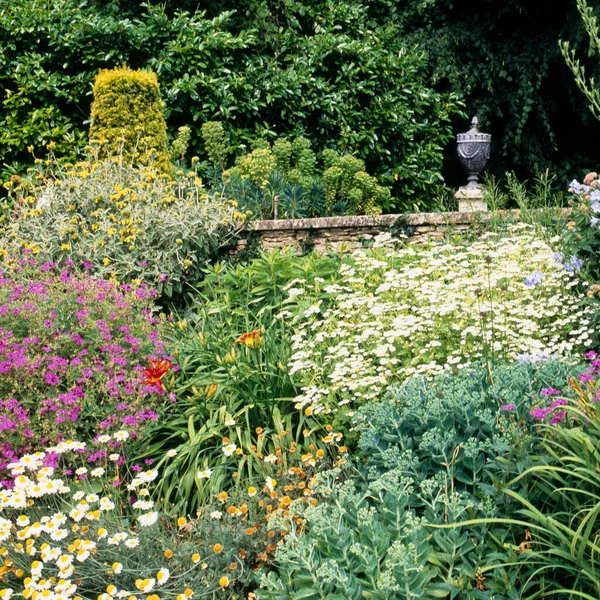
column 250, row 340
column 155, row 372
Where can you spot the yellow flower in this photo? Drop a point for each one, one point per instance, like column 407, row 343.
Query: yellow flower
column 224, row 581
column 217, row 548
column 65, row 246
column 252, row 491
column 106, row 261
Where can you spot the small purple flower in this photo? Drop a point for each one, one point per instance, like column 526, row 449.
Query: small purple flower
column 550, row 392
column 585, row 377
column 540, row 413
column 534, row 279
column 508, row 407
column 52, row 379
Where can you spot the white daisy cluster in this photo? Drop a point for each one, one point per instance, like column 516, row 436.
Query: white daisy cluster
column 421, row 309
column 44, row 548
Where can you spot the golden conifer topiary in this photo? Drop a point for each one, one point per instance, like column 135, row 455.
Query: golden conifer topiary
column 128, row 116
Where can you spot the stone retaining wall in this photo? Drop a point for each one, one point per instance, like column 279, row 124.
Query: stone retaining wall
column 353, row 231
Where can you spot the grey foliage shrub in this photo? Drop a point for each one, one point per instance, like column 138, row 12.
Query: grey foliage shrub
column 431, row 453
column 123, row 222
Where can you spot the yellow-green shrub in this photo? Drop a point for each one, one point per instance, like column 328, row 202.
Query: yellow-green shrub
column 126, row 223
column 128, row 116
column 346, row 180
column 255, row 166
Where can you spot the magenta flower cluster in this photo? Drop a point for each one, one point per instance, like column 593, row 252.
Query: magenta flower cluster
column 73, row 350
column 540, row 413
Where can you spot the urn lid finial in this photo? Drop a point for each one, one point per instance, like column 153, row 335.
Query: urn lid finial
column 474, row 124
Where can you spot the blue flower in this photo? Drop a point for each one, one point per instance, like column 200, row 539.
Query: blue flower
column 594, row 222
column 534, row 358
column 558, row 257
column 576, row 186
column 534, row 279
column 573, row 264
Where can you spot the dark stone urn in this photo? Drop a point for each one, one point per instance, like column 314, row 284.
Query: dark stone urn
column 473, row 152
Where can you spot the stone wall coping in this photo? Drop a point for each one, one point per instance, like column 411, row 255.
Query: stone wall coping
column 416, row 219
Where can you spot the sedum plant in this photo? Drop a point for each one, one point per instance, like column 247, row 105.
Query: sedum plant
column 129, row 223
column 432, row 453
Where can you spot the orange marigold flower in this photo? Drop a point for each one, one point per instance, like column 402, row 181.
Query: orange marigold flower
column 217, row 548
column 168, row 553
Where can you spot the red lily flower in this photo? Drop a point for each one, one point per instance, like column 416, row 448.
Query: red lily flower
column 155, row 372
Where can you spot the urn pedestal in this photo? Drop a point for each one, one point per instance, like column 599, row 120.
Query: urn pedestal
column 473, row 150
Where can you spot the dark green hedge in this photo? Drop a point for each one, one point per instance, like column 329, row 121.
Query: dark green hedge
column 327, row 72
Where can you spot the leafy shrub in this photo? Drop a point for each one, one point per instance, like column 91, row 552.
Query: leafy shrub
column 288, row 170
column 232, row 349
column 130, row 223
column 73, row 355
column 422, row 309
column 215, row 143
column 128, row 117
column 433, row 452
column 346, row 181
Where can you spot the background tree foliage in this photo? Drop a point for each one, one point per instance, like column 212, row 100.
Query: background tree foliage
column 347, row 75
column 328, row 72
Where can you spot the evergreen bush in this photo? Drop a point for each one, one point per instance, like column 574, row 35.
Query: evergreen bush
column 128, row 116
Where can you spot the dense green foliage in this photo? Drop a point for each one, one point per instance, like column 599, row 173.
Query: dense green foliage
column 505, row 58
column 330, row 73
column 561, row 502
column 227, row 388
